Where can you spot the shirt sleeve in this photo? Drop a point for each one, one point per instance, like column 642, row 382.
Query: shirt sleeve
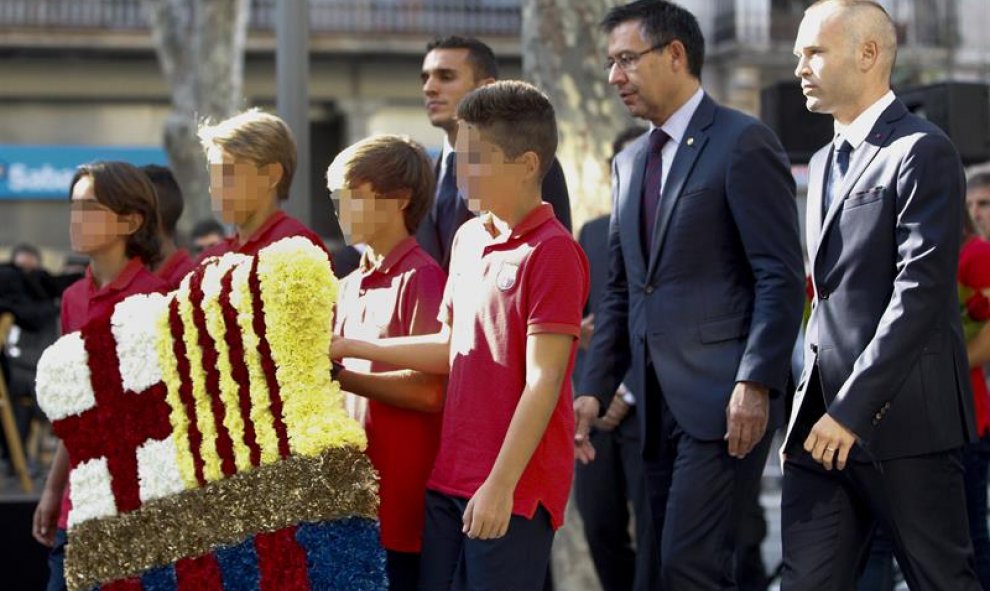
column 422, row 300
column 556, row 288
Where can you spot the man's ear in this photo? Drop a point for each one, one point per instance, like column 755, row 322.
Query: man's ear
column 869, row 53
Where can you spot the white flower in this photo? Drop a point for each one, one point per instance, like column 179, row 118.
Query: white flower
column 90, row 491
column 134, row 324
column 158, row 469
column 63, row 381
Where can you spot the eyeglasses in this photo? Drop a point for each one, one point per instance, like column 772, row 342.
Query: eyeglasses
column 628, row 60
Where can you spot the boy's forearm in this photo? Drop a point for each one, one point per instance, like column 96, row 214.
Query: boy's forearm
column 58, row 474
column 425, row 353
column 408, row 389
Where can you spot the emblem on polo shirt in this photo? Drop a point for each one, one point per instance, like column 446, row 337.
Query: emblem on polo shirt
column 506, row 277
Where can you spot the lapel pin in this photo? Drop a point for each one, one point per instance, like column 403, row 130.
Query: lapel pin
column 690, row 141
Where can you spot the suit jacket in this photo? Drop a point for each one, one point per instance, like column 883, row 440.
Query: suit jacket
column 428, row 235
column 593, row 238
column 884, row 333
column 718, row 299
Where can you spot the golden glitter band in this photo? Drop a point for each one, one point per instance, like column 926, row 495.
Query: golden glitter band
column 337, row 483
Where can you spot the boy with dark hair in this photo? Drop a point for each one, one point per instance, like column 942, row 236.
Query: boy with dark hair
column 511, row 315
column 175, row 261
column 206, row 233
column 382, row 187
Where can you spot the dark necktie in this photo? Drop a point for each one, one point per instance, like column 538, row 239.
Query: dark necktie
column 652, row 181
column 837, row 174
column 446, row 206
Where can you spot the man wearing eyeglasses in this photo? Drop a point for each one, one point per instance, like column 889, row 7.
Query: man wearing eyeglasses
column 453, row 67
column 704, row 297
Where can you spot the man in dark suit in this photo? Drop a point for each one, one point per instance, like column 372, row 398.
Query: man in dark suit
column 884, row 403
column 605, row 488
column 704, row 297
column 454, row 66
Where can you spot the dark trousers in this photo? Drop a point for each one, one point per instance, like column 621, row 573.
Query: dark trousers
column 56, row 563
column 697, row 493
column 402, row 569
column 518, row 561
column 828, row 518
column 603, row 491
column 976, row 461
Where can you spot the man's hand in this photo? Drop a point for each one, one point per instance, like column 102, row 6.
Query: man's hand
column 747, row 416
column 488, row 512
column 585, row 413
column 46, row 518
column 829, row 442
column 587, row 328
column 617, row 411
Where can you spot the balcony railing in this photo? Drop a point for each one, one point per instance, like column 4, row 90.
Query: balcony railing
column 426, row 17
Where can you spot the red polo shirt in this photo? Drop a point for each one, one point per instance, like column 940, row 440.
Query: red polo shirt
column 399, row 298
column 278, row 226
column 175, row 268
column 974, row 273
column 84, row 301
column 501, row 290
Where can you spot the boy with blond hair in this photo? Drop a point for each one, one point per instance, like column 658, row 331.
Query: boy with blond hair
column 252, row 158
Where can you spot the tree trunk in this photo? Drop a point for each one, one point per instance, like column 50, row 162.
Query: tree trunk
column 200, row 47
column 563, row 53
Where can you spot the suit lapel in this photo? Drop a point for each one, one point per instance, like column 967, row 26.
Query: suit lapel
column 631, row 202
column 691, row 146
column 816, row 185
column 864, row 155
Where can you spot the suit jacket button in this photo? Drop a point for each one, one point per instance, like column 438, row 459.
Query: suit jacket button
column 823, row 295
column 878, row 416
column 648, row 289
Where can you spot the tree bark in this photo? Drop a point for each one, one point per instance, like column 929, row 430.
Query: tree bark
column 200, row 47
column 563, row 53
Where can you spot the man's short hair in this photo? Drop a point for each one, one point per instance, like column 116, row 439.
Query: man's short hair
column 258, row 137
column 663, row 22
column 391, row 164
column 978, row 180
column 480, row 55
column 170, row 201
column 516, row 117
column 206, row 227
column 25, row 248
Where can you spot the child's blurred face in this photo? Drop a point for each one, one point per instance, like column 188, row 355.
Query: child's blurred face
column 364, row 214
column 239, row 188
column 485, row 176
column 94, row 227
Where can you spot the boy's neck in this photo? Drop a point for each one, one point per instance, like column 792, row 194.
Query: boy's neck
column 168, row 248
column 516, row 211
column 106, row 265
column 381, row 246
column 258, row 219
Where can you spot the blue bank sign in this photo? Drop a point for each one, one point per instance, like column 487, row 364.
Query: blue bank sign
column 44, row 172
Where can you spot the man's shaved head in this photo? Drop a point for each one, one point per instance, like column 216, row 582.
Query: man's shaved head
column 864, row 21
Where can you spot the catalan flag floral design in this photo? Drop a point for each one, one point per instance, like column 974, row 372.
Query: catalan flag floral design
column 208, row 445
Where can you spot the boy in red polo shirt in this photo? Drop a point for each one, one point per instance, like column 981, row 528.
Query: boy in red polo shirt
column 252, row 158
column 175, row 263
column 511, row 317
column 382, row 188
column 115, row 221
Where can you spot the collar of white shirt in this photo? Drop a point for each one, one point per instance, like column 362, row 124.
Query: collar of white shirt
column 676, row 125
column 856, row 132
